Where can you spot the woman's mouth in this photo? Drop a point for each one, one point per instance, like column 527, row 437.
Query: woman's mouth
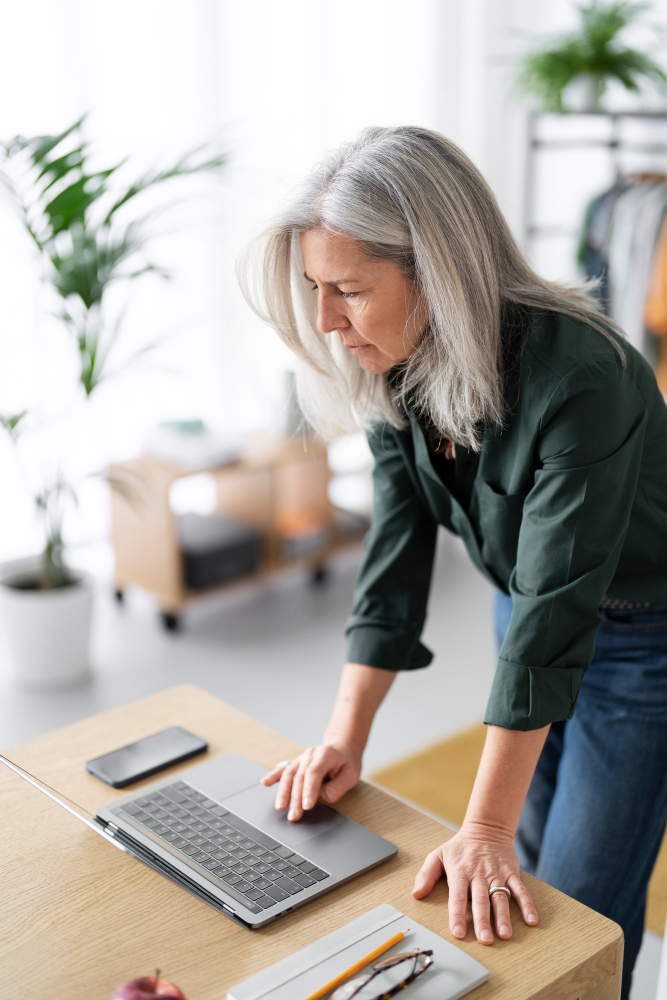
column 356, row 348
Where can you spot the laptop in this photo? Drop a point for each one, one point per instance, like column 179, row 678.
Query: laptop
column 214, row 831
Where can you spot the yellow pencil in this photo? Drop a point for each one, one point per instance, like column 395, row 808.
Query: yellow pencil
column 380, row 950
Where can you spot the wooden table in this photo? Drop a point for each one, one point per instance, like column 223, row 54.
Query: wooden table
column 78, row 917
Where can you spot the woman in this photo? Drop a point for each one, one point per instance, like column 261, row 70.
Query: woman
column 505, row 408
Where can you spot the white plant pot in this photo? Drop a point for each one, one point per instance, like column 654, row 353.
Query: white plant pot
column 47, row 632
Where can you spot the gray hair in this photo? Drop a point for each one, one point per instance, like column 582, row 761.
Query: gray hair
column 410, row 196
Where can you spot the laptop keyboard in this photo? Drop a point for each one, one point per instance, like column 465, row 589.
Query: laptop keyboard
column 252, row 867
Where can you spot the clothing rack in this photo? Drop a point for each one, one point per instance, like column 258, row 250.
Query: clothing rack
column 617, row 144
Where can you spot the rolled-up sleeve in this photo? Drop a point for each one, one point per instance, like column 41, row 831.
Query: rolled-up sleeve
column 574, row 522
column 392, row 589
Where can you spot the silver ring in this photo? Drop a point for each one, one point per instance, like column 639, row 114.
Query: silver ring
column 500, row 888
column 283, row 763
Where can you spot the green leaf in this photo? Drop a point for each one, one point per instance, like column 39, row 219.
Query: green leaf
column 11, row 423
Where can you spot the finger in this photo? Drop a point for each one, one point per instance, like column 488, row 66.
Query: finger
column 523, row 898
column 342, row 782
column 500, row 905
column 274, row 774
column 313, row 778
column 481, row 909
column 285, row 786
column 428, row 874
column 458, row 905
column 296, row 798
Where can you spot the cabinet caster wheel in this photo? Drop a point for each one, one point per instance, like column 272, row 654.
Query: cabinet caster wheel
column 119, row 596
column 170, row 623
column 319, row 576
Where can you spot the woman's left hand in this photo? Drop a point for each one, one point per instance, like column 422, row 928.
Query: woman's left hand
column 474, row 860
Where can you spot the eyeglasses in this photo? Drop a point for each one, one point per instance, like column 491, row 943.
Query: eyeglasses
column 388, row 977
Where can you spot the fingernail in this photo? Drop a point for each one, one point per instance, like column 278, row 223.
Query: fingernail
column 292, row 814
column 308, row 803
column 459, row 930
column 326, row 794
column 486, row 936
column 531, row 918
column 504, row 929
column 418, row 884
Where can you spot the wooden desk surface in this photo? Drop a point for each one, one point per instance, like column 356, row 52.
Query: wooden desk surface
column 79, row 917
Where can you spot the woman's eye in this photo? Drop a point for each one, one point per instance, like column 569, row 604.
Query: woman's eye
column 349, row 295
column 314, row 288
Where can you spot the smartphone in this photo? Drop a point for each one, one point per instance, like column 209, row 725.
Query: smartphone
column 154, row 753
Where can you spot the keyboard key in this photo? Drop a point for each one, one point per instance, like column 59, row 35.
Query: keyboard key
column 277, row 893
column 291, row 872
column 280, row 866
column 237, row 837
column 243, row 886
column 197, row 825
column 198, row 840
column 161, row 830
column 179, row 813
column 197, row 796
column 265, row 902
column 289, row 886
column 131, row 809
column 295, row 859
column 319, row 874
column 259, row 851
column 262, row 868
column 207, row 803
column 150, row 807
column 219, row 811
column 232, row 878
column 307, row 867
column 200, row 858
column 253, row 833
column 208, row 831
column 284, row 852
column 144, row 801
column 208, row 846
column 161, row 800
column 304, row 880
column 269, row 857
column 161, row 814
column 219, row 839
column 150, row 823
column 179, row 786
column 239, row 854
column 189, row 850
column 247, row 845
column 170, row 837
column 252, row 860
column 179, row 827
column 217, row 824
column 197, row 811
column 141, row 816
column 222, row 870
column 262, row 883
column 239, row 868
column 174, row 795
column 181, row 843
column 228, row 830
column 211, row 864
column 219, row 854
column 252, row 893
column 252, row 876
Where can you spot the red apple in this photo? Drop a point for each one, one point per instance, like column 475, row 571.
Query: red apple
column 148, row 988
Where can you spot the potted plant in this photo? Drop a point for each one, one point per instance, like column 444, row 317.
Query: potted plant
column 86, row 238
column 588, row 58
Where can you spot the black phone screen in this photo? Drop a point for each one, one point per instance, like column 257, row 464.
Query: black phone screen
column 137, row 760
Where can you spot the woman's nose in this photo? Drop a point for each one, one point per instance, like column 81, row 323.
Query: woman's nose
column 329, row 315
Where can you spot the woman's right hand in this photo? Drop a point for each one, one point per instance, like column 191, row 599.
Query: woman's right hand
column 328, row 770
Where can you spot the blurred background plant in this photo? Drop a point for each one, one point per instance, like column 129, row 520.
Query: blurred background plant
column 592, row 55
column 87, row 238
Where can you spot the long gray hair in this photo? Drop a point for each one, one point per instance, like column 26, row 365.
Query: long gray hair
column 410, row 196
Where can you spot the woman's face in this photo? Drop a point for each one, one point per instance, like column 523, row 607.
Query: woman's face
column 372, row 306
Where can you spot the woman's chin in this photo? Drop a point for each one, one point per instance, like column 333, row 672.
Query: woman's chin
column 374, row 366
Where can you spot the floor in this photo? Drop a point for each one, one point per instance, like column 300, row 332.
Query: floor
column 275, row 651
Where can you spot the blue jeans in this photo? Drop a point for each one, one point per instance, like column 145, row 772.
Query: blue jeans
column 596, row 809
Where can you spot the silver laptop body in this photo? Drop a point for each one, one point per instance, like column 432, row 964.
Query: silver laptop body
column 214, row 831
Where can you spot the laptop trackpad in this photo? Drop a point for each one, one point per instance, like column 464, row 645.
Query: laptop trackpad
column 256, row 806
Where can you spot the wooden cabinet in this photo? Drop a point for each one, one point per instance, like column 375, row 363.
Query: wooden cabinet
column 271, row 483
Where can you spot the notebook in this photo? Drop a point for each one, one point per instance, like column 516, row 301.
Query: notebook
column 453, row 975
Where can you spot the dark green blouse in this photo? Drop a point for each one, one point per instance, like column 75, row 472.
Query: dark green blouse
column 565, row 503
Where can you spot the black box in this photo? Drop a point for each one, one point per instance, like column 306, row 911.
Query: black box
column 216, row 549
